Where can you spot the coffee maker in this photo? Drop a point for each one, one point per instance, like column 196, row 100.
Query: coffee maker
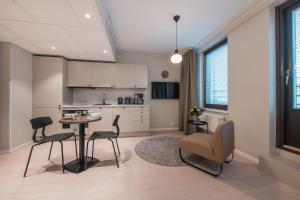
column 139, row 98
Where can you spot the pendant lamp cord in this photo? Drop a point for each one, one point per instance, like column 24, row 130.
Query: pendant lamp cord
column 176, row 35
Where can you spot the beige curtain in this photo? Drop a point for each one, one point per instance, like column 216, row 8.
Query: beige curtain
column 187, row 88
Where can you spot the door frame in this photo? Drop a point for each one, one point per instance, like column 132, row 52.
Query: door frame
column 281, row 57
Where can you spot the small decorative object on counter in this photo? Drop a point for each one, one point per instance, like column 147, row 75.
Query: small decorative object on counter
column 196, row 112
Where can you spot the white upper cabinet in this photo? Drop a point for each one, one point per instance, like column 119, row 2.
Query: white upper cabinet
column 96, row 74
column 79, row 74
column 124, row 76
column 103, row 75
column 140, row 75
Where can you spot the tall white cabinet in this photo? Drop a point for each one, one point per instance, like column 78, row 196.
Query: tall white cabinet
column 50, row 90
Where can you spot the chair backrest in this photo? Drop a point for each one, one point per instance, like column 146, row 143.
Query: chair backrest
column 116, row 124
column 224, row 140
column 40, row 122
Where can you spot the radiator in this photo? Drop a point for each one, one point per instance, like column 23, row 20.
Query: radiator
column 213, row 120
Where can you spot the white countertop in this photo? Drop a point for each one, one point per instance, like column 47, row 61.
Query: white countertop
column 86, row 106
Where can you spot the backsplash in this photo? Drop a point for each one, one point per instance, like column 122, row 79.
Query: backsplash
column 92, row 96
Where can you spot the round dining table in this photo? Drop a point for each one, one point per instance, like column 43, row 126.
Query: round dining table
column 83, row 162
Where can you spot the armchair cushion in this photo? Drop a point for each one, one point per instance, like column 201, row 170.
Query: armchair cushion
column 201, row 144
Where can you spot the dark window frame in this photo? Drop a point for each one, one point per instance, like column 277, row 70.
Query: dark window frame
column 282, row 42
column 205, row 53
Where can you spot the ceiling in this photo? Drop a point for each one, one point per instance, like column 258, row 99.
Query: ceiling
column 56, row 27
column 147, row 25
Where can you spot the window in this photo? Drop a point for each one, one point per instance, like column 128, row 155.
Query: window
column 288, row 76
column 296, row 57
column 215, row 77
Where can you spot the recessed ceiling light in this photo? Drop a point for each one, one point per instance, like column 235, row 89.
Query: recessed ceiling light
column 87, row 15
column 53, row 47
column 105, row 51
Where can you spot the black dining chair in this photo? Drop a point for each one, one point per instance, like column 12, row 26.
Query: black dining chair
column 42, row 123
column 110, row 135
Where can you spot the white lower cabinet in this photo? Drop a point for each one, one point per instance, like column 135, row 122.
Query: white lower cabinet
column 132, row 119
column 141, row 119
column 105, row 124
column 125, row 121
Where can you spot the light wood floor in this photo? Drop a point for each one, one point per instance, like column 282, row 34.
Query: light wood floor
column 136, row 179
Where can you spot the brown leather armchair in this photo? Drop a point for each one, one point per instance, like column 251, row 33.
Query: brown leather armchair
column 217, row 147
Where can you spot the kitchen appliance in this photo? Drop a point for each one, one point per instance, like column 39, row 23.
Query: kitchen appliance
column 128, row 100
column 139, row 98
column 120, row 100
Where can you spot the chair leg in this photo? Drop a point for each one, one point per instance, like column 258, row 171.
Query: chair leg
column 208, row 172
column 62, row 157
column 115, row 153
column 50, row 151
column 87, row 148
column 76, row 148
column 228, row 161
column 93, row 149
column 118, row 146
column 29, row 159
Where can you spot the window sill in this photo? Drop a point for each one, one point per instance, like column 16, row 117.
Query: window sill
column 216, row 110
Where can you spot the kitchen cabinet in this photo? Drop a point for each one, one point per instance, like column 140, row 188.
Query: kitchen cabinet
column 141, row 119
column 96, row 74
column 79, row 74
column 105, row 124
column 102, row 75
column 48, row 82
column 131, row 76
column 140, row 76
column 124, row 76
column 125, row 121
column 50, row 92
column 132, row 118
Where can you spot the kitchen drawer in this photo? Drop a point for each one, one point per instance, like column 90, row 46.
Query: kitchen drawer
column 141, row 108
column 139, row 113
column 140, row 117
column 141, row 125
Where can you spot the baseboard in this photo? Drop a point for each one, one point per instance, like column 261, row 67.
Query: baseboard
column 165, row 129
column 6, row 151
column 247, row 156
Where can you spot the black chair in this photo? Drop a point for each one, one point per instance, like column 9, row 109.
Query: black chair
column 42, row 122
column 110, row 135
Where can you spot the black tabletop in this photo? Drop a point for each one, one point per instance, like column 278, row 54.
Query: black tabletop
column 197, row 122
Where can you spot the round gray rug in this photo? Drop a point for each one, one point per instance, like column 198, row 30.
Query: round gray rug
column 164, row 150
column 160, row 150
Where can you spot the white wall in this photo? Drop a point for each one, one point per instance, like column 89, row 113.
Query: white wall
column 164, row 113
column 248, row 81
column 4, row 95
column 21, row 96
column 16, row 96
